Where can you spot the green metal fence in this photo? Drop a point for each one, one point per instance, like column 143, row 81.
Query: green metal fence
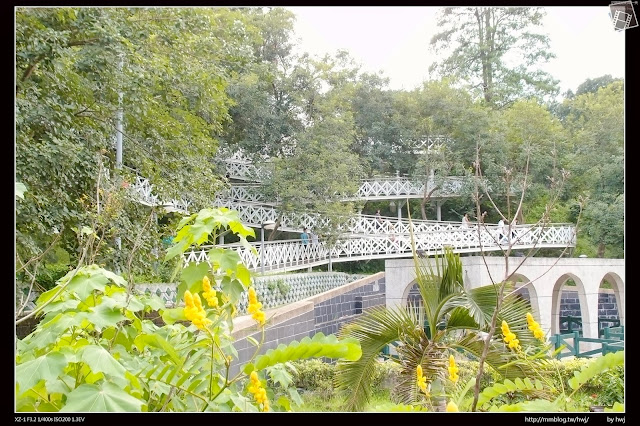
column 612, row 342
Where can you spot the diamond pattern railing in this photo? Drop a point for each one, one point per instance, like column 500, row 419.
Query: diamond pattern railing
column 292, row 254
column 400, row 187
column 142, row 192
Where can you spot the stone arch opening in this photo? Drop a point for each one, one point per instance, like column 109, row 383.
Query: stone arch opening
column 412, row 297
column 569, row 305
column 526, row 289
column 610, row 305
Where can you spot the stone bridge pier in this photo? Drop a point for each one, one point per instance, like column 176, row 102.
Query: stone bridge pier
column 543, row 279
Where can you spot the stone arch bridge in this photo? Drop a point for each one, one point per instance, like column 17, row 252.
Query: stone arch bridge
column 543, row 278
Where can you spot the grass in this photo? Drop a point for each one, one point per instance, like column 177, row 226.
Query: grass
column 320, row 402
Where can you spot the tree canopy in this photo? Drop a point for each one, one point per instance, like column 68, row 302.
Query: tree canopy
column 194, row 82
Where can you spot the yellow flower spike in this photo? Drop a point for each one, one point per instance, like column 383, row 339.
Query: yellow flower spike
column 421, row 380
column 252, row 296
column 209, row 293
column 452, row 407
column 193, row 310
column 535, row 328
column 509, row 337
column 259, row 393
column 453, row 369
column 505, row 328
column 197, row 302
column 254, row 307
column 188, row 298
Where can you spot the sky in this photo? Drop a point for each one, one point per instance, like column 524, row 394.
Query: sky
column 396, row 41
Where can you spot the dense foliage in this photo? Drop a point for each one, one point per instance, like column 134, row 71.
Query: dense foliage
column 194, row 84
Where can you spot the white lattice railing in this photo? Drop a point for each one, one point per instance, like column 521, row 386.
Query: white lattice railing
column 142, row 192
column 292, row 254
column 246, row 170
column 256, row 214
column 272, row 291
column 243, row 193
column 400, row 187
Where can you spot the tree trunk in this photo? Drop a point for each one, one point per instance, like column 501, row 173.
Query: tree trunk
column 423, row 209
column 274, row 231
column 601, row 247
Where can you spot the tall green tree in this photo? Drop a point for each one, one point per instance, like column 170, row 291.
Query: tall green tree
column 264, row 111
column 322, row 171
column 596, row 127
column 495, row 52
column 167, row 69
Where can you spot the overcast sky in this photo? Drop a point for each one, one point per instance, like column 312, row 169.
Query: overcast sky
column 396, row 41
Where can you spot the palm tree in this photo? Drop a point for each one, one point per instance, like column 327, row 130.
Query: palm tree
column 453, row 319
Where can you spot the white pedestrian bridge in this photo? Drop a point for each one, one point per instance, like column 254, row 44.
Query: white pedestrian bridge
column 369, row 238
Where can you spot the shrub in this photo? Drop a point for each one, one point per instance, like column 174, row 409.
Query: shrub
column 51, row 273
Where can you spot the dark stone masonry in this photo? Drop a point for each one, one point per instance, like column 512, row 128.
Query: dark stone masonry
column 327, row 316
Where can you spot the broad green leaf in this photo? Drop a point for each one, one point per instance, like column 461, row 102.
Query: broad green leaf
column 284, row 402
column 186, row 220
column 279, row 374
column 47, row 367
column 104, row 316
column 192, row 276
column 176, row 249
column 91, row 278
column 243, row 403
column 245, row 244
column 99, row 359
column 248, row 368
column 157, row 341
column 232, row 288
column 100, row 398
column 170, row 316
column 295, row 396
column 225, row 260
column 244, row 275
column 510, row 385
column 62, row 306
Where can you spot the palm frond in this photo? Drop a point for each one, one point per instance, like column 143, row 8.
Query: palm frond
column 374, row 329
column 429, row 354
column 459, row 318
column 498, row 356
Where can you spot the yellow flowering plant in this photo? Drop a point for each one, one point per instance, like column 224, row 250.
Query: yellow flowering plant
column 96, row 349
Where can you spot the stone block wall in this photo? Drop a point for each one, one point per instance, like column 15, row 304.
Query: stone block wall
column 326, row 312
column 570, row 306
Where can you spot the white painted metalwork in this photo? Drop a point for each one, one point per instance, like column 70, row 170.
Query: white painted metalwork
column 243, row 193
column 240, row 168
column 243, row 169
column 142, row 192
column 255, row 214
column 292, row 254
column 401, row 187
